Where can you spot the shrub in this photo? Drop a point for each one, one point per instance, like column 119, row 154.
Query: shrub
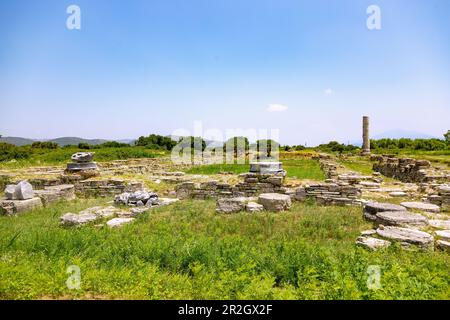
column 44, row 145
column 11, row 152
column 161, row 141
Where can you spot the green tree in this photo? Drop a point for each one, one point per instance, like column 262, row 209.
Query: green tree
column 239, row 145
column 446, row 136
column 155, row 141
column 267, row 147
column 44, row 145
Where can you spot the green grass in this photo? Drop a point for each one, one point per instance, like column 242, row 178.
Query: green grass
column 296, row 168
column 358, row 164
column 62, row 156
column 438, row 157
column 187, row 251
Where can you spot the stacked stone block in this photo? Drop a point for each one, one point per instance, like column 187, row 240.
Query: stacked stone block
column 409, row 170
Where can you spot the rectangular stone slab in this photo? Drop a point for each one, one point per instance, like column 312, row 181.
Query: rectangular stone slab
column 12, row 207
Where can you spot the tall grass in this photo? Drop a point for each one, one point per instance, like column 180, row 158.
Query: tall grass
column 188, row 251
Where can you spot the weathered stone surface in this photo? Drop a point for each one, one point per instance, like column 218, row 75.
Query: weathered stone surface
column 368, row 232
column 401, row 219
column 102, row 212
column 82, row 157
column 443, row 245
column 412, row 236
column 12, row 207
column 254, row 207
column 369, row 216
column 89, row 215
column 398, row 194
column 231, row 205
column 73, row 219
column 118, row 222
column 375, row 207
column 137, row 198
column 372, row 243
column 275, row 201
column 167, row 201
column 443, row 234
column 266, row 167
column 82, row 166
column 410, row 170
column 9, row 191
column 133, row 212
column 421, row 206
column 439, row 224
column 56, row 193
column 22, row 191
column 300, row 194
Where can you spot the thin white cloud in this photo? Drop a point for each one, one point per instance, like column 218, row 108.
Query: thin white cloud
column 328, row 92
column 276, row 108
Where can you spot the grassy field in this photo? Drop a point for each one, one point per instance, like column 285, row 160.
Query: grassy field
column 187, row 251
column 41, row 157
column 295, row 168
column 438, row 157
column 358, row 164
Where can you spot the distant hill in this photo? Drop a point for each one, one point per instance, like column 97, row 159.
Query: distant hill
column 63, row 141
column 16, row 141
column 75, row 141
column 397, row 134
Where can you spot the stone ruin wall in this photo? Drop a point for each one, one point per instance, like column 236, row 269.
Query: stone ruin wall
column 253, row 185
column 409, row 170
column 88, row 188
column 341, row 193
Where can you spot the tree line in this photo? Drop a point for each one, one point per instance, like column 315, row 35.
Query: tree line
column 237, row 145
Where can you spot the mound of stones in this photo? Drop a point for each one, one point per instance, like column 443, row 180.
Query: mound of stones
column 92, row 215
column 330, row 193
column 409, row 170
column 137, row 199
column 274, row 202
column 116, row 215
column 396, row 223
column 438, row 194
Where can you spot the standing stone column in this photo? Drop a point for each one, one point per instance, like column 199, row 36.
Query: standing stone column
column 366, row 138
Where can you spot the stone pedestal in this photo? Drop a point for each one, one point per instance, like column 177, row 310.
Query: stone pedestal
column 82, row 162
column 266, row 167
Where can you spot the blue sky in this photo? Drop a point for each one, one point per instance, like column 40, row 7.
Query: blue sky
column 141, row 67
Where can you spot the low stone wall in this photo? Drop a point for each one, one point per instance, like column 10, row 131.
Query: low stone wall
column 106, row 188
column 56, row 193
column 441, row 197
column 253, row 185
column 330, row 193
column 88, row 188
column 408, row 170
column 329, row 167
